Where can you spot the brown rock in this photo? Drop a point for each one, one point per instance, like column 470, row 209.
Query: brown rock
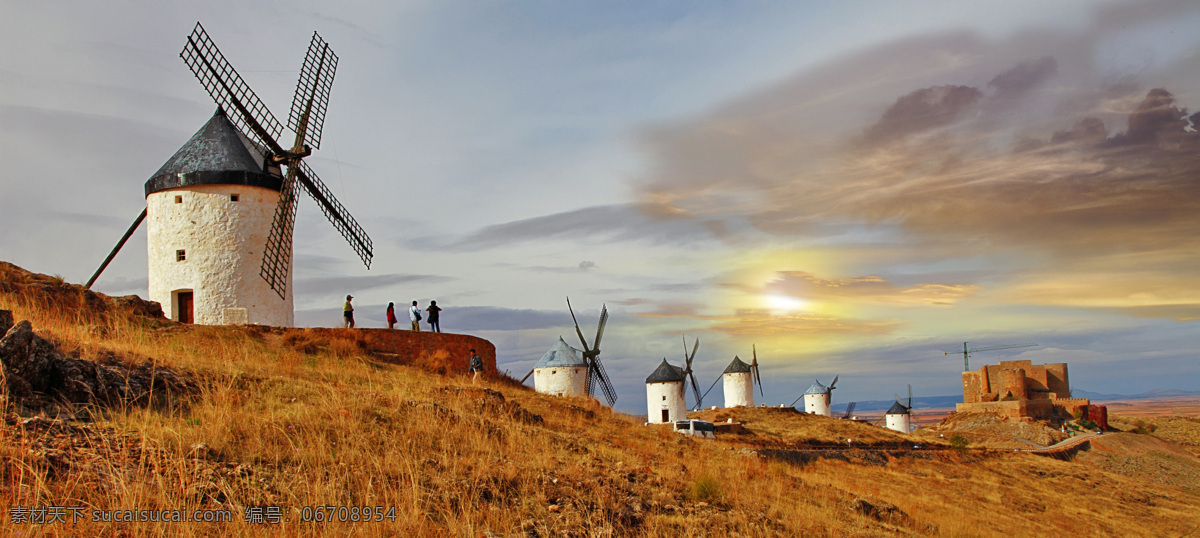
column 35, row 370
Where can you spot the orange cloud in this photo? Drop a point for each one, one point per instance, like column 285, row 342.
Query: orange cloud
column 756, row 322
column 866, row 289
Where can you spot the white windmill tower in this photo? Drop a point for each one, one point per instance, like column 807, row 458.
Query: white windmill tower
column 664, row 394
column 594, row 374
column 818, row 397
column 221, row 210
column 739, row 380
column 561, row 371
column 899, row 416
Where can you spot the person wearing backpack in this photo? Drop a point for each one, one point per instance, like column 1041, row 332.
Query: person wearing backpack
column 414, row 315
column 476, row 366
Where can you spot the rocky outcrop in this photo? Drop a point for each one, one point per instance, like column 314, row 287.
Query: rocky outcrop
column 37, row 374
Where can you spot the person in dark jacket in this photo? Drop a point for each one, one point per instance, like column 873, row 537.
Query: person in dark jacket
column 433, row 317
column 476, row 366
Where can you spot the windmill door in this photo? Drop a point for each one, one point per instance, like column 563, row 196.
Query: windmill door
column 666, row 415
column 185, row 307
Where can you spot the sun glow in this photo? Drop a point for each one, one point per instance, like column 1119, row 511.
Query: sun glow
column 783, row 304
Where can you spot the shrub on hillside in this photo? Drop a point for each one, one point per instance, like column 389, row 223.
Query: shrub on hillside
column 1143, row 428
column 301, row 341
column 959, row 443
column 705, row 487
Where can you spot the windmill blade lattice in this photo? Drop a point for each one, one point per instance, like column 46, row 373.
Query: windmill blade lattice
column 600, row 329
column 601, row 378
column 337, row 214
column 688, row 370
column 229, row 91
column 596, row 376
column 754, row 369
column 277, row 254
column 312, row 91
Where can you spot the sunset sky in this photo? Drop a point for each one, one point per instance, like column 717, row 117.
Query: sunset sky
column 852, row 187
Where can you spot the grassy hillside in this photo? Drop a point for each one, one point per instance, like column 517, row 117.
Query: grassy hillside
column 298, row 419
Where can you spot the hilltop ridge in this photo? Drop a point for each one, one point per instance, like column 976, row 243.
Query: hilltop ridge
column 278, row 422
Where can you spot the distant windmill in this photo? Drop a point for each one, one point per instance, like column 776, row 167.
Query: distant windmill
column 560, row 372
column 208, row 231
column 966, row 352
column 849, row 411
column 595, row 374
column 818, row 397
column 740, row 379
column 899, row 416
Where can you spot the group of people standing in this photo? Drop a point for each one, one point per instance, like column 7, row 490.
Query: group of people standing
column 474, row 363
column 414, row 315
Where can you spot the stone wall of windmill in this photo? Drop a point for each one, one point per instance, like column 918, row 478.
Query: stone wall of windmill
column 561, row 372
column 208, row 212
column 818, row 399
column 898, row 418
column 665, row 401
column 738, row 384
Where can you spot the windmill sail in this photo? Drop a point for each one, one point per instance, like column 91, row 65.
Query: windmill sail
column 688, row 370
column 306, row 118
column 754, row 369
column 596, row 376
column 228, row 89
column 312, row 91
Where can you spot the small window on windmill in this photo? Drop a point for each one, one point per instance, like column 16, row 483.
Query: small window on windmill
column 552, row 372
column 664, row 398
column 179, row 198
column 233, row 197
column 180, row 255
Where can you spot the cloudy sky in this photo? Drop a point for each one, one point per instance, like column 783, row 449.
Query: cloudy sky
column 853, row 188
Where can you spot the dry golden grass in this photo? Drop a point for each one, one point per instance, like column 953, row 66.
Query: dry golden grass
column 1180, row 430
column 295, row 420
column 788, row 428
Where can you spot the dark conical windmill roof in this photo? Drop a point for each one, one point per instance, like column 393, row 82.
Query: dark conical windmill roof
column 737, row 366
column 897, row 409
column 666, row 373
column 218, row 154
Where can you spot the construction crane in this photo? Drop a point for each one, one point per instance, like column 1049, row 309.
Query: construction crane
column 966, row 352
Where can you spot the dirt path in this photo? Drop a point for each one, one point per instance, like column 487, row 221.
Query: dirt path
column 1065, row 444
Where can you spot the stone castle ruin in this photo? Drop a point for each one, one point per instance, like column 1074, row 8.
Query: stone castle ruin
column 1021, row 390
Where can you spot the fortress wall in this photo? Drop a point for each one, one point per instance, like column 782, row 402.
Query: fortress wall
column 972, row 386
column 1012, row 381
column 1039, row 409
column 1056, row 379
column 1036, row 380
